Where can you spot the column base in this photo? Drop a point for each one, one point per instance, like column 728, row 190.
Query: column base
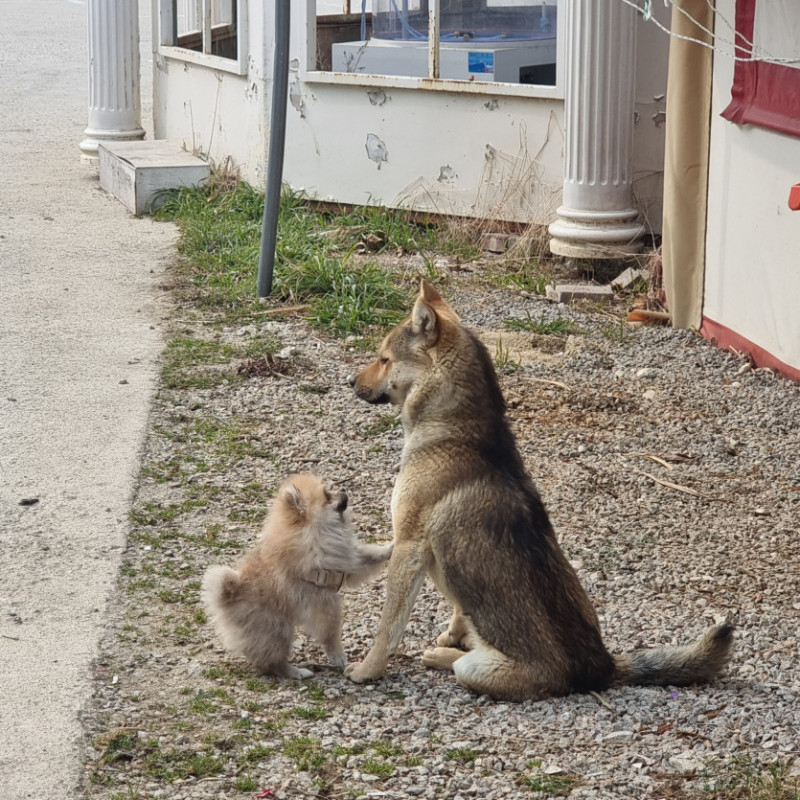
column 94, row 137
column 596, row 234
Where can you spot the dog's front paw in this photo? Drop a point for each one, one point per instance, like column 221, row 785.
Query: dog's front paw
column 299, row 673
column 338, row 660
column 362, row 672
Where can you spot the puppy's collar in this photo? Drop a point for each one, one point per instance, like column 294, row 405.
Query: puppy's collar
column 326, row 579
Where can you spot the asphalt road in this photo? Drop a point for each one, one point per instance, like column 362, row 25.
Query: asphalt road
column 79, row 343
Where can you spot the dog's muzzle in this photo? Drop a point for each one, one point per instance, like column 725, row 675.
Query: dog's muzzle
column 340, row 503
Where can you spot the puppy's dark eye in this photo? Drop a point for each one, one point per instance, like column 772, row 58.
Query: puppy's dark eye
column 384, row 360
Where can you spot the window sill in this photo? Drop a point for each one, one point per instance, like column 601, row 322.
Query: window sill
column 234, row 66
column 441, row 84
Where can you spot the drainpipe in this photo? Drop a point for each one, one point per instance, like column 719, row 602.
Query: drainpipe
column 277, row 138
column 114, row 105
column 597, row 218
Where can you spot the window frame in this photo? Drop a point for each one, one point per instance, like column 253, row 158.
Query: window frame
column 167, row 48
column 309, row 74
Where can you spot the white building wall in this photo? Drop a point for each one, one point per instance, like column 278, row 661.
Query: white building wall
column 752, row 280
column 486, row 155
column 216, row 112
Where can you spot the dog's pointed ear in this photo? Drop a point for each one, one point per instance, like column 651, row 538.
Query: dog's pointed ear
column 293, row 498
column 423, row 318
column 428, row 293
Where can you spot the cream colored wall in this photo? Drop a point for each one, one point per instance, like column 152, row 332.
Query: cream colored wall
column 752, row 281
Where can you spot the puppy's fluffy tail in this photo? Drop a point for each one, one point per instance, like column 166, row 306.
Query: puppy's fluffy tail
column 677, row 666
column 221, row 587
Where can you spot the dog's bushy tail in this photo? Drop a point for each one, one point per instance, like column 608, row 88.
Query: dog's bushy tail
column 677, row 666
column 221, row 587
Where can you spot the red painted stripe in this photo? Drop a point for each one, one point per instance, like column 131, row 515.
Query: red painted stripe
column 763, row 94
column 727, row 339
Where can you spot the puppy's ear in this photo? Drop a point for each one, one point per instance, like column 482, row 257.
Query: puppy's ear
column 293, row 498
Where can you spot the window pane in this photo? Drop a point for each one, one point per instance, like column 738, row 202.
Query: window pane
column 510, row 41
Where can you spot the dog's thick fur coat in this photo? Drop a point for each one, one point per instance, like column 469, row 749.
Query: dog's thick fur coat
column 305, row 554
column 465, row 512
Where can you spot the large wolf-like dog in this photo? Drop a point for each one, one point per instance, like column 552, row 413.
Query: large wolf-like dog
column 465, row 512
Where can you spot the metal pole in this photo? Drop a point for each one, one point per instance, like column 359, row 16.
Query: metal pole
column 277, row 138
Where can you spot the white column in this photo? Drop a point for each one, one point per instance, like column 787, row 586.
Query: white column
column 597, row 218
column 114, row 105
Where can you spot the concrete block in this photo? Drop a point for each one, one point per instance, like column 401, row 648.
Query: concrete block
column 134, row 172
column 625, row 280
column 567, row 292
column 495, row 242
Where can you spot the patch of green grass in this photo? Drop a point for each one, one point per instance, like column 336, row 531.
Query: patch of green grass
column 386, row 749
column 213, row 673
column 120, row 746
column 306, row 752
column 313, row 388
column 245, row 783
column 529, row 277
column 343, row 298
column 255, row 754
column 742, row 778
column 206, row 702
column 315, row 691
column 559, row 327
column 255, row 685
column 462, row 755
column 616, row 331
column 175, row 765
column 220, row 241
column 503, row 360
column 558, row 785
column 385, row 423
column 312, row 712
column 184, row 358
column 373, row 766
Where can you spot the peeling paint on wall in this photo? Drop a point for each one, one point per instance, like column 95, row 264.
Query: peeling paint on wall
column 512, row 185
column 295, row 88
column 447, row 174
column 376, row 149
column 377, row 97
column 296, row 97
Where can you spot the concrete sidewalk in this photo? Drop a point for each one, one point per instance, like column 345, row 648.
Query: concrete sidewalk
column 79, row 340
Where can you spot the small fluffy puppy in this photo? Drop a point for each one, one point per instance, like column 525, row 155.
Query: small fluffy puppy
column 305, row 554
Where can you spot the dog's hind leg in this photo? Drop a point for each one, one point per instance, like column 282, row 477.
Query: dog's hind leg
column 456, row 631
column 324, row 623
column 442, row 657
column 485, row 670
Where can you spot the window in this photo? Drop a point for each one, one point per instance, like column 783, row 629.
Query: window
column 205, row 31
column 475, row 41
column 766, row 84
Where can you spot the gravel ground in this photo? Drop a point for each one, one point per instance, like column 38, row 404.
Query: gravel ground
column 671, row 472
